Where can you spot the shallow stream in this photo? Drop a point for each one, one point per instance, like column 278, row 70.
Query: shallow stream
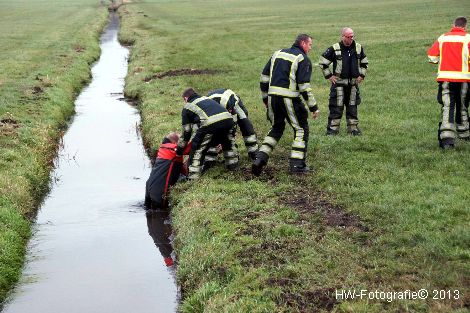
column 94, row 248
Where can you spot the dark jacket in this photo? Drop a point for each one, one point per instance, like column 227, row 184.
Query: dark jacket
column 200, row 111
column 287, row 74
column 353, row 58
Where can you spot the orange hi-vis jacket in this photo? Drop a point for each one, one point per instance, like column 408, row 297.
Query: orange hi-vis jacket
column 451, row 51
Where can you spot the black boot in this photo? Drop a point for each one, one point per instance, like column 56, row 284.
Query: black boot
column 298, row 167
column 260, row 161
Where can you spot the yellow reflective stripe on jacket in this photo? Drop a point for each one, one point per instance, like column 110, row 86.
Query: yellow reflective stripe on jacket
column 226, row 97
column 283, row 92
column 217, row 118
column 339, row 59
column 433, row 59
column 305, row 87
column 264, row 78
column 453, row 75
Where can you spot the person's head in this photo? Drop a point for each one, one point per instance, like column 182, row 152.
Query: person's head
column 460, row 22
column 347, row 36
column 173, row 137
column 304, row 41
column 188, row 93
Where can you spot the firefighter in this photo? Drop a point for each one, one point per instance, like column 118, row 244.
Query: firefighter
column 451, row 51
column 214, row 126
column 232, row 102
column 349, row 69
column 285, row 77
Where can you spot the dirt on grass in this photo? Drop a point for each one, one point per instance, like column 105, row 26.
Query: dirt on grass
column 181, row 72
column 310, row 300
column 313, row 201
column 8, row 126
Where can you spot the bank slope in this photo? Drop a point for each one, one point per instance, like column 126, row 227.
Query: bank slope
column 47, row 50
column 387, row 211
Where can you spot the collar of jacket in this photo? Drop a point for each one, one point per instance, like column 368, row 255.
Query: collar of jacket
column 296, row 46
column 351, row 47
column 194, row 96
column 458, row 30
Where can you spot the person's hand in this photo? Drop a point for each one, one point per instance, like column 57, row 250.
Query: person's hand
column 315, row 114
column 359, row 80
column 333, row 79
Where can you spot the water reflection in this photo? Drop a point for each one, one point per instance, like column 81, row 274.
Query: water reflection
column 159, row 226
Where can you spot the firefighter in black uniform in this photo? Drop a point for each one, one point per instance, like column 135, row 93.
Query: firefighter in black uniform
column 232, row 102
column 285, row 77
column 349, row 69
column 214, row 126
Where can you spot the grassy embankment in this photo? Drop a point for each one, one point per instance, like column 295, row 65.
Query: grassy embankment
column 386, row 211
column 46, row 50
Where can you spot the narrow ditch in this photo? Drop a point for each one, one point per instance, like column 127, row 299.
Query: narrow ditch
column 94, row 247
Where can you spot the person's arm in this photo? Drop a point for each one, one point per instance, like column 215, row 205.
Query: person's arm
column 304, row 72
column 434, row 53
column 325, row 60
column 363, row 65
column 187, row 131
column 264, row 82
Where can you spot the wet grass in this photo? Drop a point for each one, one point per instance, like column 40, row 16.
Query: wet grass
column 386, row 211
column 46, row 49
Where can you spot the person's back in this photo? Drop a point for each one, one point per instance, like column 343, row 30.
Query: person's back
column 165, row 173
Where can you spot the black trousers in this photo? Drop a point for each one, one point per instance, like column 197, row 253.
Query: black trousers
column 343, row 96
column 209, row 136
column 293, row 111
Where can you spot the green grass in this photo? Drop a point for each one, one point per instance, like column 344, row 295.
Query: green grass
column 386, row 211
column 47, row 48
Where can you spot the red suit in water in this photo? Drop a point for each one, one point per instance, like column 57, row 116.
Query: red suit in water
column 165, row 173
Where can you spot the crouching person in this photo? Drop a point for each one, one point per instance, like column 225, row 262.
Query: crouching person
column 233, row 103
column 165, row 172
column 214, row 126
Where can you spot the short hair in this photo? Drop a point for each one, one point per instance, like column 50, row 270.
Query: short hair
column 301, row 38
column 460, row 21
column 173, row 137
column 188, row 92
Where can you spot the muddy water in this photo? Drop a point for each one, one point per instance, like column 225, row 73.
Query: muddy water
column 91, row 250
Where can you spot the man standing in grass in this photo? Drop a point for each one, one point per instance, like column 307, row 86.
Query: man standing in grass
column 451, row 51
column 349, row 69
column 285, row 77
column 214, row 126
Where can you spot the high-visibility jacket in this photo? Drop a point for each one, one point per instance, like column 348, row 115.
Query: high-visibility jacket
column 203, row 112
column 287, row 74
column 451, row 51
column 232, row 102
column 349, row 62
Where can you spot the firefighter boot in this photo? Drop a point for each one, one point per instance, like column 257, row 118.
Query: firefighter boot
column 260, row 161
column 444, row 143
column 298, row 167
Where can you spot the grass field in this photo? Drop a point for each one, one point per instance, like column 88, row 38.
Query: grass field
column 387, row 211
column 46, row 49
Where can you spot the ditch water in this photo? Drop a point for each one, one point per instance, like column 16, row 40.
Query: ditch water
column 94, row 247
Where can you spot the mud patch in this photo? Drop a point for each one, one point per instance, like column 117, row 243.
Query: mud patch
column 311, row 201
column 79, row 48
column 311, row 300
column 8, row 125
column 183, row 72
